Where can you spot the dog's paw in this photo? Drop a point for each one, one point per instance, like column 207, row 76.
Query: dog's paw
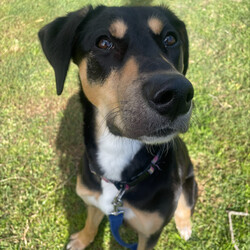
column 185, row 232
column 184, row 227
column 75, row 243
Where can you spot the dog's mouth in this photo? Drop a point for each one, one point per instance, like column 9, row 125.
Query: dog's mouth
column 136, row 118
column 159, row 137
column 166, row 134
column 151, row 129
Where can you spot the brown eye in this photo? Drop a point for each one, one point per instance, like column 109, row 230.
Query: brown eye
column 104, row 43
column 169, row 40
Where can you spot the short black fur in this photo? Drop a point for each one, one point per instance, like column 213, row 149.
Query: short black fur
column 75, row 37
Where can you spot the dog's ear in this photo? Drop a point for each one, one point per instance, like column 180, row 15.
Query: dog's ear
column 185, row 45
column 57, row 41
column 180, row 26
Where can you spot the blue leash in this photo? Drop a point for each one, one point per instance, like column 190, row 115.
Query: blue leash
column 116, row 217
column 115, row 223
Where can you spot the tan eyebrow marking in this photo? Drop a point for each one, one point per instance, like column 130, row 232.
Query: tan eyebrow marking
column 118, row 28
column 156, row 25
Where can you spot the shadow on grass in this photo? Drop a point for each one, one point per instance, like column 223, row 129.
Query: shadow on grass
column 69, row 143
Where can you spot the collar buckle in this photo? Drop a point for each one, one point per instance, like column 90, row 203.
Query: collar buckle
column 118, row 203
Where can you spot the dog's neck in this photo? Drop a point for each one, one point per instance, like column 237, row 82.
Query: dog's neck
column 115, row 153
column 114, row 157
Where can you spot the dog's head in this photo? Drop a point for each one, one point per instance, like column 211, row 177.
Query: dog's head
column 132, row 62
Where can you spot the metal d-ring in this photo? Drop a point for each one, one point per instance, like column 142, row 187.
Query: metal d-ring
column 117, row 202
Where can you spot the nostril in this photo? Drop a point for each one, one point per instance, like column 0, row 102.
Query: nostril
column 190, row 96
column 169, row 95
column 163, row 97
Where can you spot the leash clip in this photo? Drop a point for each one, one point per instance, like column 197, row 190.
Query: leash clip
column 117, row 202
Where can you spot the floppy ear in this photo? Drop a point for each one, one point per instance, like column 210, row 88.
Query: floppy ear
column 185, row 45
column 57, row 41
column 180, row 26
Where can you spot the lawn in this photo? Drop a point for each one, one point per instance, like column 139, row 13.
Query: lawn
column 40, row 144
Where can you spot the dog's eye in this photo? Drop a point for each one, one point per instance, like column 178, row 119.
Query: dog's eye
column 104, row 43
column 169, row 40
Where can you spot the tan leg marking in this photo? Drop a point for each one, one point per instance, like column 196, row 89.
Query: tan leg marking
column 84, row 237
column 142, row 243
column 144, row 223
column 183, row 218
column 83, row 191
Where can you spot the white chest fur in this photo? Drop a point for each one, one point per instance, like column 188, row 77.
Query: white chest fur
column 114, row 153
column 104, row 201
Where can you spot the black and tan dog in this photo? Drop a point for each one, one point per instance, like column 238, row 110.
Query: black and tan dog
column 136, row 99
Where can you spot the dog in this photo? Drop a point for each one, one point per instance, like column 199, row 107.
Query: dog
column 136, row 100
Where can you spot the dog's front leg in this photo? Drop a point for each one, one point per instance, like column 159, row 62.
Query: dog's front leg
column 83, row 238
column 142, row 243
column 185, row 207
column 147, row 243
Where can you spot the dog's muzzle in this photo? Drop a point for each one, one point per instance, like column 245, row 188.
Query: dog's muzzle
column 169, row 95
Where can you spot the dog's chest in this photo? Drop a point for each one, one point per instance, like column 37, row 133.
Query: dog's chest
column 114, row 154
column 104, row 201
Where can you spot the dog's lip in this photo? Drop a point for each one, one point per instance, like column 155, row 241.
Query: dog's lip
column 179, row 125
column 160, row 136
column 169, row 130
column 164, row 131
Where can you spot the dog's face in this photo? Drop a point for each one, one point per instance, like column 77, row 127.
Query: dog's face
column 132, row 62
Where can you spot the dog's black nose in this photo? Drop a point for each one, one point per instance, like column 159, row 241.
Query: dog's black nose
column 169, row 95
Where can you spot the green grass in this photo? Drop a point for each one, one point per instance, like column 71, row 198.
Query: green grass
column 40, row 146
